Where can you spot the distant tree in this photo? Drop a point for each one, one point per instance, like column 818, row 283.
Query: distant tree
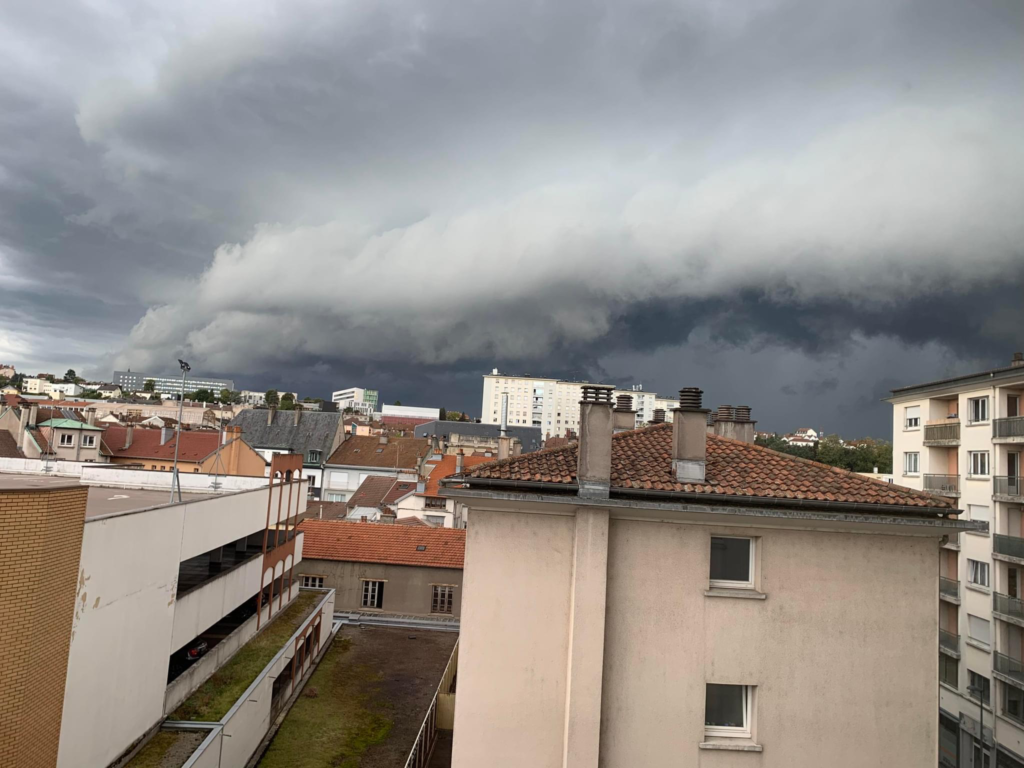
column 312, row 399
column 398, row 402
column 4, row 381
column 202, row 396
column 272, row 398
column 465, row 417
column 453, row 416
column 91, row 394
column 149, row 386
column 287, row 402
column 71, row 377
column 349, row 410
column 442, row 415
column 18, row 380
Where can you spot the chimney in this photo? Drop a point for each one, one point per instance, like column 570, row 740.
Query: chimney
column 298, row 413
column 90, row 416
column 624, row 417
column 689, row 436
column 458, row 461
column 128, row 433
column 384, row 439
column 33, row 414
column 165, row 434
column 504, row 414
column 270, row 415
column 362, row 519
column 659, row 416
column 504, row 447
column 734, row 423
column 517, row 446
column 594, row 452
column 1018, row 360
column 23, row 416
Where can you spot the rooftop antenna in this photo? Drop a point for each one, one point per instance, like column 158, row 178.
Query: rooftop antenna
column 175, row 478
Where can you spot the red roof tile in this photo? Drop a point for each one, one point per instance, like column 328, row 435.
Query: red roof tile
column 388, row 544
column 642, row 459
column 369, row 451
column 9, row 446
column 380, row 490
column 446, row 468
column 195, row 445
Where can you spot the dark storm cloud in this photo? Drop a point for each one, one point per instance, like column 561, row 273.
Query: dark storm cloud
column 411, row 194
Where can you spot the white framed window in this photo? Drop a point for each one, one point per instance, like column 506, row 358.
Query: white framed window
column 314, row 457
column 728, row 710
column 977, row 572
column 88, row 441
column 373, row 594
column 732, row 562
column 441, row 598
column 977, row 410
column 912, row 417
column 911, row 463
column 978, row 512
column 978, row 629
column 317, row 582
column 978, row 462
column 335, row 497
column 67, row 441
column 435, row 520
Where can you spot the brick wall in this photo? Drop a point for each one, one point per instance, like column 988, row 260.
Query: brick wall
column 40, row 546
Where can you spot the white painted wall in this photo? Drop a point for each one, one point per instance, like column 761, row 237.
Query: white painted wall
column 201, row 608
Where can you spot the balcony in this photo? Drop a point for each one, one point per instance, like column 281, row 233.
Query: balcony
column 949, row 643
column 1008, row 667
column 1008, row 488
column 949, row 589
column 1008, row 608
column 1008, row 546
column 940, row 433
column 943, row 485
column 1009, row 430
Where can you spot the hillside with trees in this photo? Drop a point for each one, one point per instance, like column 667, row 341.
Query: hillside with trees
column 861, row 455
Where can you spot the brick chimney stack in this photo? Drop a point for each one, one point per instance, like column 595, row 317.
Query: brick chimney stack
column 594, row 451
column 624, row 417
column 689, row 436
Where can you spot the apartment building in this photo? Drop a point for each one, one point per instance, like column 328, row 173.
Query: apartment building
column 962, row 438
column 666, row 597
column 360, row 457
column 133, row 381
column 552, row 405
column 362, row 401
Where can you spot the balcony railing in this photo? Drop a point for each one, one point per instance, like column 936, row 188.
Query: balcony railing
column 1011, row 427
column 1012, row 546
column 942, row 484
column 1008, row 485
column 943, row 433
column 1009, row 666
column 949, row 587
column 1008, row 606
column 949, row 641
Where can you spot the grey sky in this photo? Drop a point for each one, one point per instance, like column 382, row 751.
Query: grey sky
column 791, row 204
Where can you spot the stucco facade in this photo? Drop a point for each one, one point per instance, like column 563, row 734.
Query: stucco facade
column 407, row 589
column 589, row 633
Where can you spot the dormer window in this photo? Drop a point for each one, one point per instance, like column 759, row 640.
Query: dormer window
column 314, row 457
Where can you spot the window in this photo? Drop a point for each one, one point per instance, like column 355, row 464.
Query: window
column 314, row 457
column 977, row 572
column 732, row 562
column 979, row 462
column 949, row 672
column 727, row 710
column 335, row 497
column 435, row 520
column 312, row 480
column 977, row 409
column 88, row 441
column 317, row 582
column 441, row 598
column 373, row 594
column 980, row 684
column 978, row 512
column 912, row 417
column 978, row 629
column 67, row 441
column 1013, row 702
column 196, row 470
column 911, row 463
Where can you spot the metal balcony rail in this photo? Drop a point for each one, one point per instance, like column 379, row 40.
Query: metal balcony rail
column 942, row 483
column 1013, row 546
column 947, row 430
column 1009, row 666
column 949, row 640
column 949, row 587
column 1008, row 606
column 1008, row 485
column 1011, row 427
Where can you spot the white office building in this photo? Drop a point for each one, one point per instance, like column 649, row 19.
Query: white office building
column 552, row 405
column 362, row 401
column 962, row 438
column 133, row 381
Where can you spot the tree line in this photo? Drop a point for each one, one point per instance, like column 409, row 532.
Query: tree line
column 856, row 455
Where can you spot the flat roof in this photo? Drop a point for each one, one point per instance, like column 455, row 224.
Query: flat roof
column 103, row 500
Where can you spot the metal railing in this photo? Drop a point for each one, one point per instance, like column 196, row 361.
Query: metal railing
column 949, row 587
column 942, row 483
column 945, row 432
column 1008, row 485
column 1013, row 546
column 949, row 640
column 1008, row 606
column 424, row 744
column 1011, row 427
column 1009, row 666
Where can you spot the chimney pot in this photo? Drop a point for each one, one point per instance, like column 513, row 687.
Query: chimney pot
column 690, row 397
column 1018, row 359
column 624, row 417
column 742, row 413
column 726, row 413
column 594, row 449
column 659, row 416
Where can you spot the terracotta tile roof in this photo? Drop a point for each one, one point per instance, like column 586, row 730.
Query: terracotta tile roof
column 369, row 451
column 412, row 521
column 379, row 491
column 40, row 438
column 331, row 510
column 556, row 442
column 9, row 446
column 446, row 468
column 642, row 459
column 388, row 544
column 195, row 445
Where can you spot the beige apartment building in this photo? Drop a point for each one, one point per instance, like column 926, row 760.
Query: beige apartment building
column 666, row 597
column 962, row 438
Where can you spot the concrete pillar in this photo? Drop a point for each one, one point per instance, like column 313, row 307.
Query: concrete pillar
column 585, row 665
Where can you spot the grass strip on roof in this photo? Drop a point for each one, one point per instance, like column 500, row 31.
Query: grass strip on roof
column 212, row 700
column 335, row 720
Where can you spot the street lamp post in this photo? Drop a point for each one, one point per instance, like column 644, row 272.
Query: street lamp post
column 185, row 368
